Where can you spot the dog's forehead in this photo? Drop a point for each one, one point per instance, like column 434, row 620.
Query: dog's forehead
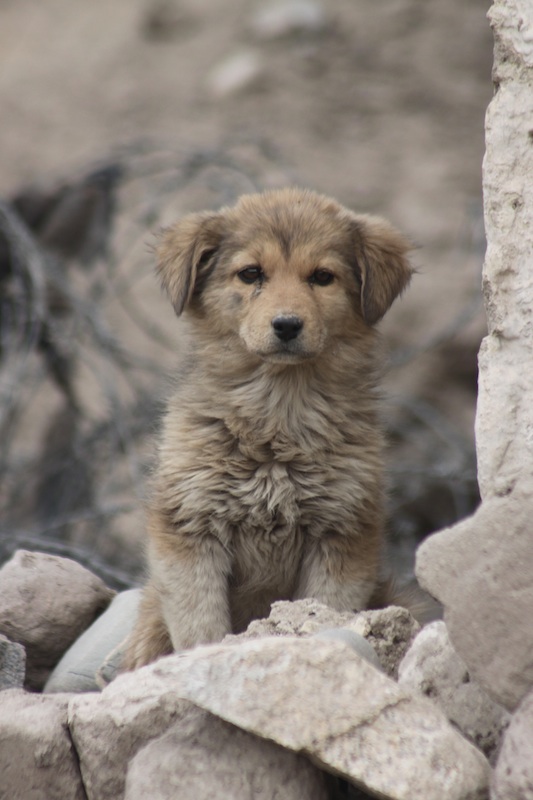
column 290, row 228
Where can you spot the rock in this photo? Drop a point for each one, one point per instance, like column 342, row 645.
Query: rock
column 389, row 631
column 513, row 776
column 504, row 420
column 481, row 569
column 37, row 759
column 354, row 640
column 433, row 668
column 77, row 670
column 236, row 73
column 275, row 20
column 204, row 757
column 45, row 604
column 295, row 618
column 319, row 698
column 12, row 664
column 109, row 728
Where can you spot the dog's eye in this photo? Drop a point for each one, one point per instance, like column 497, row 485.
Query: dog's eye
column 322, row 277
column 250, row 274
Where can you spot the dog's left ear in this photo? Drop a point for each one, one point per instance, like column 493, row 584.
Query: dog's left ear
column 383, row 267
column 185, row 255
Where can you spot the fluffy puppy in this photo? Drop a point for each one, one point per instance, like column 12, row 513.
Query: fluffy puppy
column 269, row 477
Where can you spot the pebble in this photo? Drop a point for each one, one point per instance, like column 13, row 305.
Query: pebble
column 278, row 19
column 234, row 74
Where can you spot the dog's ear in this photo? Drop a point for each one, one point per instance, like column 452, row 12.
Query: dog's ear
column 186, row 253
column 383, row 268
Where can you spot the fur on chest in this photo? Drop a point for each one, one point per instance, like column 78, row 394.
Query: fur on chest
column 269, row 487
column 270, row 456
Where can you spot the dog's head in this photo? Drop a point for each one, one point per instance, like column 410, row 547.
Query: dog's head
column 285, row 272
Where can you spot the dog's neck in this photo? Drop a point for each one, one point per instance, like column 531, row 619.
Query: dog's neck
column 290, row 408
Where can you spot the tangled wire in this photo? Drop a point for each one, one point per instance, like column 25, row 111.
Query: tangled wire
column 77, row 405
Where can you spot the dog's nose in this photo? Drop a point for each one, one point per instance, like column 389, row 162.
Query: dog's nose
column 287, row 327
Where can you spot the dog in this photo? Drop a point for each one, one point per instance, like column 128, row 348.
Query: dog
column 268, row 483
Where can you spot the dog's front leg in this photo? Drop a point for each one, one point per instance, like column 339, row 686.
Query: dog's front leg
column 190, row 574
column 185, row 603
column 339, row 570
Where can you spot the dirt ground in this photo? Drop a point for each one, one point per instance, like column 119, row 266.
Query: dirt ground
column 379, row 104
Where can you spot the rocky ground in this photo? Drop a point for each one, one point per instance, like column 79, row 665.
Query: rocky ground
column 143, row 111
column 310, row 704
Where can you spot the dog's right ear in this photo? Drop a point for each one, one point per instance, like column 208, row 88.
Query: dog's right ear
column 185, row 255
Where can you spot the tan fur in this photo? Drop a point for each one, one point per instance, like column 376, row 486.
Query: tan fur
column 269, row 476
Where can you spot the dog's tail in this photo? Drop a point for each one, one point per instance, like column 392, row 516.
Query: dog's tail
column 419, row 603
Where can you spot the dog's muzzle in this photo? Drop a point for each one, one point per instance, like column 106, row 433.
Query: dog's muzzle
column 287, row 327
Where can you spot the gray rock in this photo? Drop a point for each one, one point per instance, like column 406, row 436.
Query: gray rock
column 354, row 640
column 481, row 569
column 513, row 776
column 279, row 18
column 295, row 618
column 12, row 664
column 110, row 727
column 46, row 602
column 204, row 757
column 37, row 759
column 319, row 698
column 98, row 650
column 389, row 631
column 504, row 418
column 433, row 668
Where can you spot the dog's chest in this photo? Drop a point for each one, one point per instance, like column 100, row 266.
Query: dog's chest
column 266, row 507
column 277, row 496
column 267, row 497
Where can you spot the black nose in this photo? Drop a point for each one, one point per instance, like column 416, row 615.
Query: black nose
column 287, row 328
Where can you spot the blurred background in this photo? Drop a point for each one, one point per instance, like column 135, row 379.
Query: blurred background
column 119, row 117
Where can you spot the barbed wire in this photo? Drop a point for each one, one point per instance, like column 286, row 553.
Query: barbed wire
column 73, row 467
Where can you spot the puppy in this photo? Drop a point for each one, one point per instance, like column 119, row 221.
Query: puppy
column 269, row 477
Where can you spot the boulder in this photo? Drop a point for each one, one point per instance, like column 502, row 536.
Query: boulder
column 513, row 775
column 110, row 727
column 481, row 569
column 319, row 698
column 203, row 757
column 45, row 604
column 37, row 759
column 433, row 668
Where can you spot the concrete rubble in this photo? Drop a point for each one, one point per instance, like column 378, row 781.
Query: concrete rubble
column 297, row 703
column 481, row 568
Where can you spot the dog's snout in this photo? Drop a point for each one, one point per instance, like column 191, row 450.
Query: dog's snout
column 287, row 327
